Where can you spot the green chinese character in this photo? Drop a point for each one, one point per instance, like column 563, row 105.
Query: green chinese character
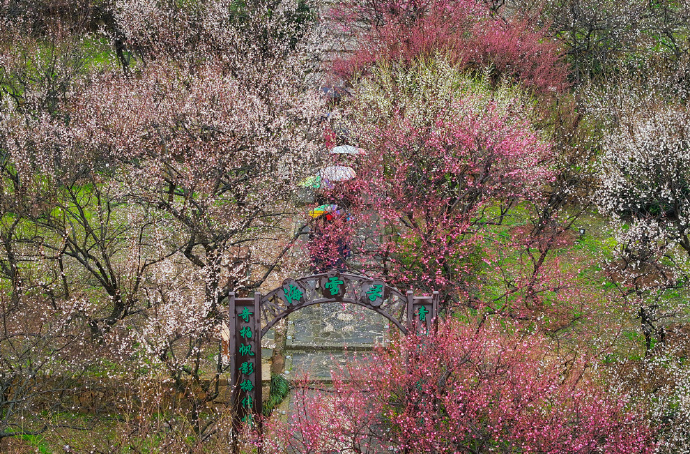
column 247, row 386
column 333, row 285
column 249, row 419
column 247, row 402
column 422, row 313
column 247, row 368
column 246, row 332
column 292, row 294
column 246, row 350
column 245, row 314
column 376, row 291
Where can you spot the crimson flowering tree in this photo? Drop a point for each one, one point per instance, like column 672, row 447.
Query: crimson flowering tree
column 325, row 420
column 468, row 389
column 329, row 240
column 465, row 31
column 483, row 37
column 446, row 158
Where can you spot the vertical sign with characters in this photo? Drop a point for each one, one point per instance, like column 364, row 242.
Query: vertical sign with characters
column 245, row 345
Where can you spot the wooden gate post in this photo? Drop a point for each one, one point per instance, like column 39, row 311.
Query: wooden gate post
column 422, row 312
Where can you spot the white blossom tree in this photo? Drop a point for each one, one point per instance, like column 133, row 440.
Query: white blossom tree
column 146, row 190
column 645, row 170
column 646, row 173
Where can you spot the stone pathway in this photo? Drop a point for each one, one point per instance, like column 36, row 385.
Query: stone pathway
column 329, row 336
column 325, row 338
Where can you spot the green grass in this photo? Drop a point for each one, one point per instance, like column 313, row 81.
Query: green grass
column 38, row 442
column 98, row 53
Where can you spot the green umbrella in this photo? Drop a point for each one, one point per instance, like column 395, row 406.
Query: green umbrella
column 313, row 181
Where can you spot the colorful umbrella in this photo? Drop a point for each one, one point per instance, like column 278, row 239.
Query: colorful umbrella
column 323, row 209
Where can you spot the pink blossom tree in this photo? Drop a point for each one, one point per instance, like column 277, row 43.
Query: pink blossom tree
column 469, row 389
column 465, row 31
column 446, row 158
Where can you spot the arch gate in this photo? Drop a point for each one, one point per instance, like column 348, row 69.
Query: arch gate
column 251, row 318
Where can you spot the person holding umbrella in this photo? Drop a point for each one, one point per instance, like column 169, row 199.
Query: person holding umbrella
column 328, row 239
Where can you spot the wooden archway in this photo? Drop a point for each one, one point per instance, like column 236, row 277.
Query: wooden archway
column 251, row 318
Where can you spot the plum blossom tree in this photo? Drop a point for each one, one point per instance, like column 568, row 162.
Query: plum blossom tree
column 41, row 356
column 206, row 149
column 447, row 157
column 662, row 380
column 213, row 148
column 600, row 36
column 466, row 32
column 215, row 156
column 469, row 389
column 643, row 172
column 144, row 194
column 644, row 189
column 191, row 31
column 232, row 137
